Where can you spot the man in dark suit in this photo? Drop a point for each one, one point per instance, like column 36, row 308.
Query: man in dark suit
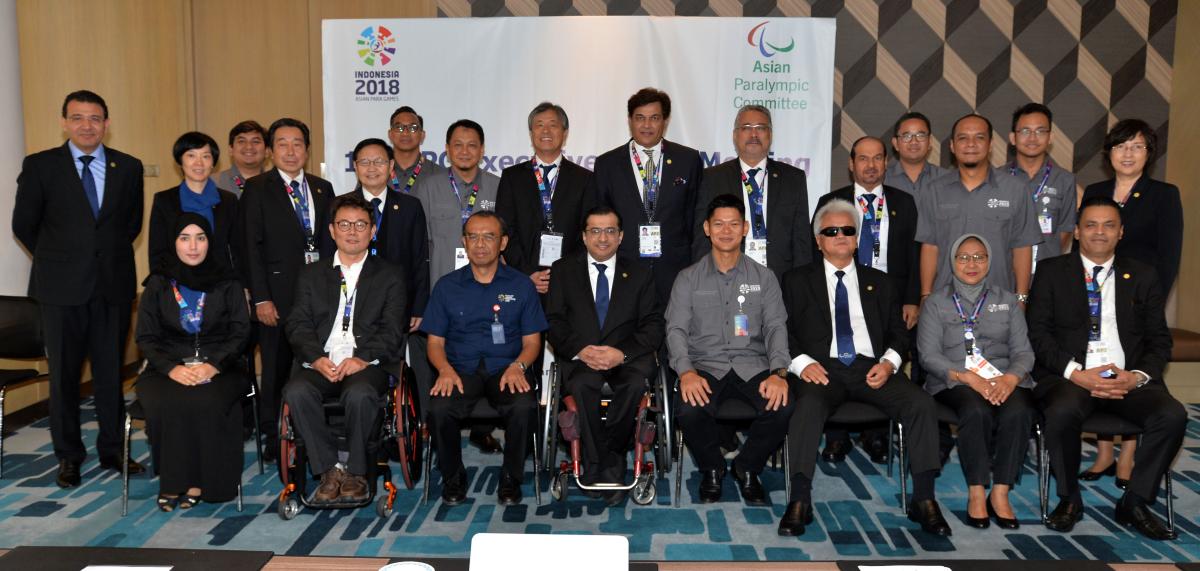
column 888, row 218
column 343, row 347
column 775, row 195
column 605, row 325
column 845, row 329
column 1099, row 331
column 542, row 200
column 652, row 184
column 78, row 210
column 283, row 211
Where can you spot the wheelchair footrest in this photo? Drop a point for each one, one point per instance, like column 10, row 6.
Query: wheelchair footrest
column 568, row 425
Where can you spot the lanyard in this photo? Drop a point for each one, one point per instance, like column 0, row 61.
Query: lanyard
column 1037, row 194
column 650, row 181
column 240, row 182
column 875, row 221
column 1094, row 290
column 349, row 296
column 466, row 210
column 300, row 203
column 189, row 318
column 379, row 216
column 969, row 322
column 412, row 178
column 758, row 223
column 546, row 192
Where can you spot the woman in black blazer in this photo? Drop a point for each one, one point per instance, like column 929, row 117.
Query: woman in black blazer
column 197, row 155
column 192, row 326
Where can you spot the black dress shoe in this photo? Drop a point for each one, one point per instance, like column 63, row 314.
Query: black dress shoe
column 1001, row 522
column 836, row 450
column 1137, row 515
column 485, row 442
column 68, row 474
column 750, row 486
column 876, row 447
column 929, row 515
column 1090, row 476
column 454, row 490
column 710, row 486
column 270, row 452
column 115, row 465
column 797, row 515
column 978, row 522
column 1064, row 516
column 509, row 492
column 1122, row 483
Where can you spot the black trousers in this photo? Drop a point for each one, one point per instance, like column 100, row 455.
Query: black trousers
column 700, row 429
column 1163, row 419
column 604, row 443
column 276, row 367
column 95, row 330
column 361, row 395
column 898, row 397
column 992, row 439
column 446, row 416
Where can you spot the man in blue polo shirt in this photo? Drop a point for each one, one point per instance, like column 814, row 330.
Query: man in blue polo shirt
column 484, row 323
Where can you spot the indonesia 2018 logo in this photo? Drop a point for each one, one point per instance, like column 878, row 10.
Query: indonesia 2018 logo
column 376, row 44
column 758, row 38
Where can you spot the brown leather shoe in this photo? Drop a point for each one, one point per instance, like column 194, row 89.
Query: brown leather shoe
column 354, row 488
column 330, row 488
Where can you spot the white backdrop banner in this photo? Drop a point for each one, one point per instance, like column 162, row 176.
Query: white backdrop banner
column 495, row 70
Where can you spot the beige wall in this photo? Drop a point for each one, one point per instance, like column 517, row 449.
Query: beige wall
column 1182, row 168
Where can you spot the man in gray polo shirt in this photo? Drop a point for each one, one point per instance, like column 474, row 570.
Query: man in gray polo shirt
column 727, row 339
column 1051, row 188
column 980, row 200
column 406, row 131
column 913, row 140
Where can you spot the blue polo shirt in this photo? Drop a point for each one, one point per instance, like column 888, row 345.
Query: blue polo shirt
column 462, row 310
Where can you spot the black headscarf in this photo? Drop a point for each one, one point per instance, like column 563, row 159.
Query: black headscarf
column 206, row 275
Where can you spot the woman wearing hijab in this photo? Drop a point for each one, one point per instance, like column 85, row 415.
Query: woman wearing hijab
column 192, row 326
column 197, row 155
column 974, row 347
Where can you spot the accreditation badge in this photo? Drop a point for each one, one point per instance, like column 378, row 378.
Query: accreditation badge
column 311, row 257
column 756, row 248
column 460, row 258
column 549, row 248
column 650, row 241
column 1097, row 355
column 977, row 364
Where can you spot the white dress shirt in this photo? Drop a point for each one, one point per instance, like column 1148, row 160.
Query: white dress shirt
column 760, row 178
column 858, row 322
column 1108, row 318
column 351, row 273
column 879, row 263
column 594, row 274
column 307, row 191
column 658, row 165
column 553, row 180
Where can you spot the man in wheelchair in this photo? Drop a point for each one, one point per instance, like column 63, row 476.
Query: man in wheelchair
column 605, row 325
column 341, row 347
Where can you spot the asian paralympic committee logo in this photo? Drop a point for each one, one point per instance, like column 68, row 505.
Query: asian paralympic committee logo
column 765, row 48
column 375, row 44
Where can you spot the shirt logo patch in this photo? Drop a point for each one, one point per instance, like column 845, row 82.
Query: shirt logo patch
column 747, row 288
column 994, row 307
column 997, row 203
column 506, row 298
column 1050, row 190
column 487, row 205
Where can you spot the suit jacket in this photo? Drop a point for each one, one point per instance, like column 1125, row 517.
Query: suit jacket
column 379, row 311
column 272, row 237
column 166, row 209
column 617, row 187
column 810, row 327
column 1153, row 221
column 1059, row 323
column 401, row 239
column 519, row 203
column 789, row 236
column 223, row 331
column 904, row 252
column 634, row 323
column 76, row 254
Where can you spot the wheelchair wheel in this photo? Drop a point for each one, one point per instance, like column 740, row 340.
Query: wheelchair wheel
column 645, row 490
column 558, row 486
column 662, row 456
column 289, row 508
column 287, row 447
column 408, row 433
column 382, row 509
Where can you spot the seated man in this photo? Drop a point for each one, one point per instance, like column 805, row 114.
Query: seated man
column 604, row 316
column 727, row 338
column 846, row 330
column 1099, row 333
column 341, row 347
column 485, row 325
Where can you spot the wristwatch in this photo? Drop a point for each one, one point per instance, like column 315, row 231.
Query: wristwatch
column 781, row 373
column 1143, row 381
column 520, row 365
column 1023, row 297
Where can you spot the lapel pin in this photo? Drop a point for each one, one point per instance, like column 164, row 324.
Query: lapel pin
column 870, row 288
column 774, row 175
column 624, row 274
column 1137, row 194
column 112, row 165
column 893, row 213
column 395, row 207
column 668, row 161
column 1126, row 276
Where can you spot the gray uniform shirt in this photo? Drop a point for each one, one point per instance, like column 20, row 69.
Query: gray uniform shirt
column 1000, row 334
column 896, row 177
column 1000, row 210
column 443, row 212
column 1056, row 204
column 228, row 180
column 701, row 318
column 399, row 179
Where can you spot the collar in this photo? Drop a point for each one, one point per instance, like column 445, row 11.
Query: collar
column 557, row 161
column 859, row 190
column 287, row 180
column 762, row 165
column 656, row 148
column 830, row 269
column 337, row 262
column 1088, row 264
column 368, row 196
column 897, row 167
column 76, row 152
column 459, row 178
column 609, row 263
column 738, row 267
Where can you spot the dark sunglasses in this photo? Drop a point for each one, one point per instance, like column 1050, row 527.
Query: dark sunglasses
column 834, row 230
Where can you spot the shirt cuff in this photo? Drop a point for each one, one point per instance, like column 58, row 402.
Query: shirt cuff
column 258, row 303
column 892, row 357
column 1145, row 377
column 799, row 364
column 1071, row 368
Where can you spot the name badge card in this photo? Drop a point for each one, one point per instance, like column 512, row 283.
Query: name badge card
column 1046, row 221
column 650, row 241
column 756, row 248
column 312, row 257
column 982, row 367
column 741, row 322
column 460, row 258
column 341, row 352
column 1097, row 355
column 497, row 327
column 550, row 248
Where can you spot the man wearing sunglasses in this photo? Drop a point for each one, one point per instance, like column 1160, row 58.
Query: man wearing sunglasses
column 846, row 331
column 913, row 141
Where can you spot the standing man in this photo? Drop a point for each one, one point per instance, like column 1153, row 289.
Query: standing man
column 407, row 131
column 248, row 156
column 78, row 210
column 652, row 184
column 727, row 337
column 912, row 139
column 282, row 212
column 774, row 195
column 606, row 324
column 888, row 218
column 1052, row 189
column 543, row 199
column 977, row 200
column 1099, row 331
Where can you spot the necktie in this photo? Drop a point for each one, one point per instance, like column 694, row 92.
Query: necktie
column 377, row 204
column 89, row 184
column 756, row 200
column 650, row 170
column 302, row 206
column 601, row 293
column 546, row 174
column 841, row 312
column 1099, row 299
column 866, row 238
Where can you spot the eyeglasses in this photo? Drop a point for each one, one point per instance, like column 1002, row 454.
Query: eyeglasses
column 357, row 225
column 754, row 127
column 610, row 231
column 832, row 231
column 487, row 237
column 964, row 259
column 1135, row 148
column 908, row 137
column 367, row 163
column 1039, row 133
column 410, row 128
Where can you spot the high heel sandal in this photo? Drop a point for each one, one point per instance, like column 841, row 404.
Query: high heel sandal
column 166, row 504
column 187, row 502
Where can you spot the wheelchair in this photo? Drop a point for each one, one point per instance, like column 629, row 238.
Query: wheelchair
column 651, row 420
column 397, row 438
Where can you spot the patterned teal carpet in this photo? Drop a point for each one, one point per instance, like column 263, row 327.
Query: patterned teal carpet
column 857, row 516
